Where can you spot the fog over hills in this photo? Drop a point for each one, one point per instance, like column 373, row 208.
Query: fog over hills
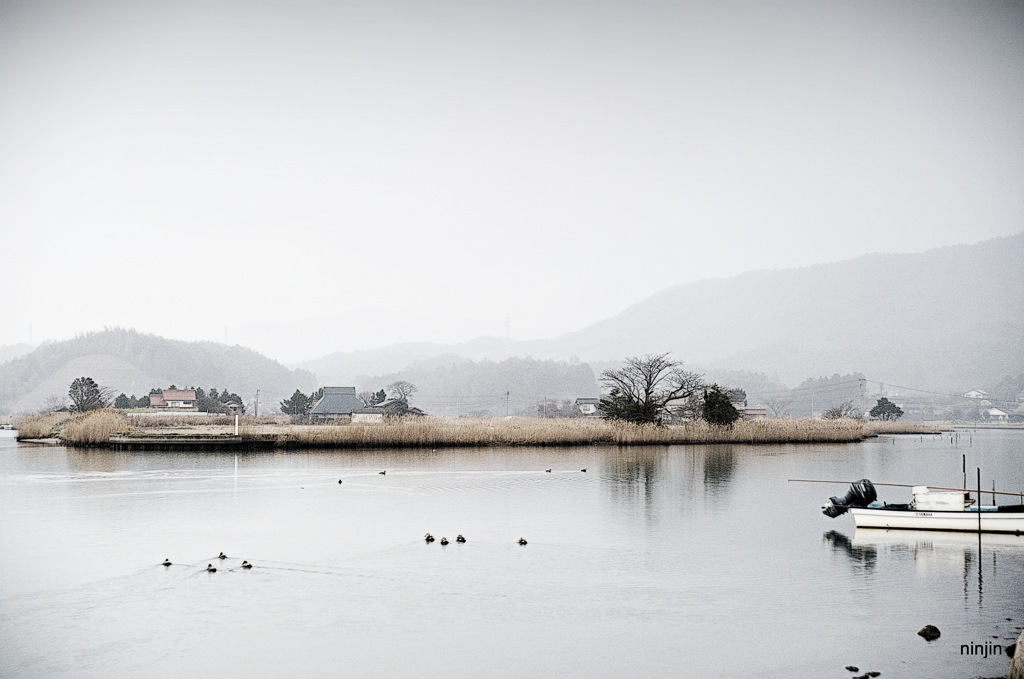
column 944, row 319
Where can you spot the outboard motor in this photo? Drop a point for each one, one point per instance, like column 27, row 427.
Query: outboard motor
column 861, row 494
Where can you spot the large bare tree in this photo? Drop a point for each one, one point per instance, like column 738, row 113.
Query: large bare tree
column 645, row 387
column 402, row 390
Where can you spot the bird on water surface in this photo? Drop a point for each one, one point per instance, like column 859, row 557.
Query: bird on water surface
column 444, row 541
column 428, row 537
column 167, row 562
column 246, row 564
column 460, row 538
column 222, row 555
column 210, row 568
column 522, row 541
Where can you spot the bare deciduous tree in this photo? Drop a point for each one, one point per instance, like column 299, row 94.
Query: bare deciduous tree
column 645, row 387
column 844, row 409
column 54, row 403
column 779, row 407
column 401, row 390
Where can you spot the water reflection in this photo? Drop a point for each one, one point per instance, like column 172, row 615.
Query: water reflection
column 864, row 557
column 719, row 465
column 633, row 472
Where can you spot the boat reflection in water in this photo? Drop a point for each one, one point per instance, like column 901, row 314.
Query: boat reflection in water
column 862, row 556
column 932, row 555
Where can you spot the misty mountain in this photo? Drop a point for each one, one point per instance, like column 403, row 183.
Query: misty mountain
column 133, row 363
column 454, row 385
column 945, row 319
column 11, row 351
column 940, row 319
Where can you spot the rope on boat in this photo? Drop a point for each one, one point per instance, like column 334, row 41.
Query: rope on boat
column 910, row 485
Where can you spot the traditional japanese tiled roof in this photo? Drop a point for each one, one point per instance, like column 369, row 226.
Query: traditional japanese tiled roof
column 179, row 394
column 341, row 401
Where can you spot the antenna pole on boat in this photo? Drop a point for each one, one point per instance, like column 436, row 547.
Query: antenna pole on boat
column 964, row 459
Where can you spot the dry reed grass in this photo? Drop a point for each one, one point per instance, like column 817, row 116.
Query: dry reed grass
column 451, row 432
column 45, row 425
column 877, row 427
column 172, row 422
column 95, row 427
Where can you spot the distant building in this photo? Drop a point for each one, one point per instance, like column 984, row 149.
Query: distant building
column 340, row 404
column 753, row 413
column 178, row 399
column 976, row 393
column 399, row 407
column 995, row 415
column 588, row 406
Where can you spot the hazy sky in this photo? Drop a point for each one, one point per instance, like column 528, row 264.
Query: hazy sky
column 305, row 177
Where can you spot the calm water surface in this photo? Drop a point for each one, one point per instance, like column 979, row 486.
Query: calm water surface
column 658, row 561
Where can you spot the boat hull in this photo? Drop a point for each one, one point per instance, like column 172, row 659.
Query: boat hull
column 966, row 522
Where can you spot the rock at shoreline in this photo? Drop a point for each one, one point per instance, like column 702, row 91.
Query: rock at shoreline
column 929, row 632
column 1017, row 663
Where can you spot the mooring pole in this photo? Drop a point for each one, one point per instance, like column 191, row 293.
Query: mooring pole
column 979, row 503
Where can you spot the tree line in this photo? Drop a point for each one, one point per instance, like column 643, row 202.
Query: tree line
column 86, row 394
column 394, row 398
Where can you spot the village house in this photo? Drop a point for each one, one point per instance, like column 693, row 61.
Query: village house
column 976, row 393
column 995, row 415
column 342, row 405
column 588, row 406
column 177, row 399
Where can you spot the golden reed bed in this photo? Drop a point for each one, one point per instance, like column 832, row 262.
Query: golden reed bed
column 95, row 429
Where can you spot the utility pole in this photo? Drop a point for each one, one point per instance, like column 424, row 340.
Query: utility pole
column 506, row 404
column 257, row 410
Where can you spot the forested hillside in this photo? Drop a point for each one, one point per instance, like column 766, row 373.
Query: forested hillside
column 133, row 363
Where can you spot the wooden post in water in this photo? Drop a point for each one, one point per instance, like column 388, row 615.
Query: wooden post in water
column 979, row 505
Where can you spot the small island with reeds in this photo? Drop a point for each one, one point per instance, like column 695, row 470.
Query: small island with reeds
column 650, row 400
column 113, row 429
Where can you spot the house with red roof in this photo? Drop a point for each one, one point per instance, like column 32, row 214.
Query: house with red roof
column 178, row 399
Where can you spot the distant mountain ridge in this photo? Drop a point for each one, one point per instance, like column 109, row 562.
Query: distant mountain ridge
column 939, row 319
column 133, row 363
column 947, row 319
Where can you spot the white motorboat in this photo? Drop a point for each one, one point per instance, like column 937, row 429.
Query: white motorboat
column 930, row 509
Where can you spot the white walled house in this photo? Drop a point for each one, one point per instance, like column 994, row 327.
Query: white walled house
column 588, row 406
column 178, row 399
